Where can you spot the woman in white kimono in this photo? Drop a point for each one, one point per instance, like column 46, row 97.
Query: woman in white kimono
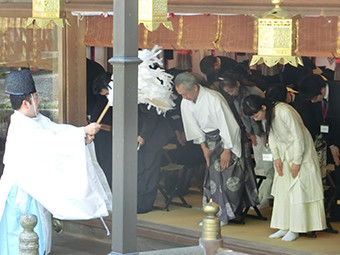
column 297, row 186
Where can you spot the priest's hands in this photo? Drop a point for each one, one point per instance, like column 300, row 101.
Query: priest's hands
column 295, row 170
column 89, row 139
column 225, row 158
column 92, row 129
column 278, row 166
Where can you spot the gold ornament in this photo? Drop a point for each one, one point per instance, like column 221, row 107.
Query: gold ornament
column 211, row 223
column 277, row 38
column 45, row 12
column 152, row 13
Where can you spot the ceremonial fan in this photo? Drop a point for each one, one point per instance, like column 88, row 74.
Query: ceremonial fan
column 154, row 84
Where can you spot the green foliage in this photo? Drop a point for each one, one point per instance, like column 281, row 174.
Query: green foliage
column 48, row 106
column 42, row 106
column 6, row 106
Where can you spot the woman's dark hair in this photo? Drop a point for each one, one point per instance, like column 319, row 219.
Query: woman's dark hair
column 276, row 92
column 253, row 104
column 16, row 101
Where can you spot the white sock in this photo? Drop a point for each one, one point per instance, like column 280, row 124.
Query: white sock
column 279, row 233
column 290, row 236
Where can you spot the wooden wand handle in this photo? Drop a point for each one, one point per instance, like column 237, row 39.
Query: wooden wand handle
column 103, row 113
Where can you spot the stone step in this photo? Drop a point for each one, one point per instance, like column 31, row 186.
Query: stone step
column 152, row 239
column 149, row 236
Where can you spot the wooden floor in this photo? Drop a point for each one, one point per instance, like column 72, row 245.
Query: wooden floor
column 252, row 237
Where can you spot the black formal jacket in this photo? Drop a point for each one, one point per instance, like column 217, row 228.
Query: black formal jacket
column 333, row 114
column 153, row 128
column 306, row 109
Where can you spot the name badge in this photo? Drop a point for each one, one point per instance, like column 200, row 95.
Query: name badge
column 267, row 157
column 267, row 154
column 324, row 129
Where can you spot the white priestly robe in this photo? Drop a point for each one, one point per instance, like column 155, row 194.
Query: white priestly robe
column 52, row 164
column 210, row 112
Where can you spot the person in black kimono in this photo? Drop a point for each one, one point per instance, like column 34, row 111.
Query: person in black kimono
column 93, row 69
column 103, row 140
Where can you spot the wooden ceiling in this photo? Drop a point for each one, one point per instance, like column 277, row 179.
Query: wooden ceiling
column 304, row 7
column 247, row 7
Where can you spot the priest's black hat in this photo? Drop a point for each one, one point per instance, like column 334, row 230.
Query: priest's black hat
column 19, row 83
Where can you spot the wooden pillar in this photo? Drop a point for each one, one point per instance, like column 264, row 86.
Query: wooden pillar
column 124, row 178
column 72, row 72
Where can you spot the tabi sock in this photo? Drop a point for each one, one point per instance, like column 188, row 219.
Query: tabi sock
column 279, row 234
column 290, row 236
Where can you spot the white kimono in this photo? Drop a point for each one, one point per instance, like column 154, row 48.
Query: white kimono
column 49, row 163
column 211, row 112
column 298, row 203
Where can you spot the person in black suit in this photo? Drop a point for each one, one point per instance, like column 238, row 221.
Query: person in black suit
column 279, row 92
column 214, row 67
column 154, row 132
column 325, row 96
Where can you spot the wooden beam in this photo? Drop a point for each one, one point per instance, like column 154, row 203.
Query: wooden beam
column 324, row 9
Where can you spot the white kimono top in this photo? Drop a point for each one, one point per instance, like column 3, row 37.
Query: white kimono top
column 210, row 112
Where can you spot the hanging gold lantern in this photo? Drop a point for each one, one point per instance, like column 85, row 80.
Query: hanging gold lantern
column 45, row 12
column 277, row 38
column 152, row 13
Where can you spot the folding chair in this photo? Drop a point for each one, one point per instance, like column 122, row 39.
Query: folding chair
column 258, row 215
column 175, row 191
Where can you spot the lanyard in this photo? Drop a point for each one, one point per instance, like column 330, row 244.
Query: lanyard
column 324, row 110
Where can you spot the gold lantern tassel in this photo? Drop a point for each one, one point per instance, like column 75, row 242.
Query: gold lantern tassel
column 146, row 36
column 297, row 38
column 35, row 46
column 255, row 41
column 23, row 38
column 299, row 60
column 338, row 40
column 180, row 33
column 216, row 43
column 4, row 27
